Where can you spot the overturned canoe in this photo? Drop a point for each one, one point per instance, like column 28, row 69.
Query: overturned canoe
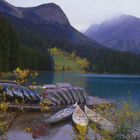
column 55, row 93
column 72, row 101
column 99, row 120
column 79, row 117
column 53, row 100
column 84, row 94
column 71, row 92
column 81, row 99
column 62, row 114
column 8, row 91
column 76, row 95
column 63, row 96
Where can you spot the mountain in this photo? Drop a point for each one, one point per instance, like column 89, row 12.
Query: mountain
column 45, row 12
column 46, row 26
column 5, row 6
column 121, row 33
column 50, row 18
column 51, row 13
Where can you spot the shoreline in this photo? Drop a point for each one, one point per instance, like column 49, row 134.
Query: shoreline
column 9, row 74
column 92, row 102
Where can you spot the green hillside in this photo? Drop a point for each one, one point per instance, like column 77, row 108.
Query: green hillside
column 64, row 62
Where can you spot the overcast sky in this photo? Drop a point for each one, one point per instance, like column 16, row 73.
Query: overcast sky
column 83, row 13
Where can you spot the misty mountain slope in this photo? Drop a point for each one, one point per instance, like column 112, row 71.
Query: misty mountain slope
column 51, row 13
column 50, row 18
column 41, row 31
column 122, row 33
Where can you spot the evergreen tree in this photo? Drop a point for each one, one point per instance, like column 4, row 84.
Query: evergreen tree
column 12, row 55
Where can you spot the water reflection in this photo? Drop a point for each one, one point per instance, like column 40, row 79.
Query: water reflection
column 45, row 78
column 61, row 77
column 63, row 132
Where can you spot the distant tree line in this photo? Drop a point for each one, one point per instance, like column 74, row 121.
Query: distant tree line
column 13, row 55
column 103, row 60
column 83, row 62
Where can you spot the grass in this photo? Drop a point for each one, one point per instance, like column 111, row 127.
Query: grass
column 63, row 62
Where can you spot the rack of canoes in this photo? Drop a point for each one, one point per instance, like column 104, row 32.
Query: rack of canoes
column 81, row 118
column 61, row 94
column 65, row 94
column 13, row 92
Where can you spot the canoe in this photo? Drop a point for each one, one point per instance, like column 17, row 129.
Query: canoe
column 53, row 100
column 49, row 86
column 76, row 95
column 63, row 85
column 84, row 94
column 79, row 117
column 8, row 91
column 63, row 96
column 62, row 114
column 72, row 94
column 16, row 93
column 24, row 92
column 58, row 97
column 99, row 120
column 81, row 99
column 71, row 101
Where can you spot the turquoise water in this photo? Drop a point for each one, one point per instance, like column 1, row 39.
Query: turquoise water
column 114, row 87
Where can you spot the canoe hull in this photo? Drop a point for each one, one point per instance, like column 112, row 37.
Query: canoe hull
column 99, row 120
column 59, row 119
column 79, row 117
column 62, row 115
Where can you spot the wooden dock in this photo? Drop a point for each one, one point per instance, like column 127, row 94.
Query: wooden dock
column 20, row 107
column 92, row 102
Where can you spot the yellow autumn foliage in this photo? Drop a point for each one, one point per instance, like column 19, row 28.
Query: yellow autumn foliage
column 28, row 130
column 3, row 106
column 45, row 105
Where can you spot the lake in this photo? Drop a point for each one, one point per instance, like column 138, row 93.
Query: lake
column 114, row 87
